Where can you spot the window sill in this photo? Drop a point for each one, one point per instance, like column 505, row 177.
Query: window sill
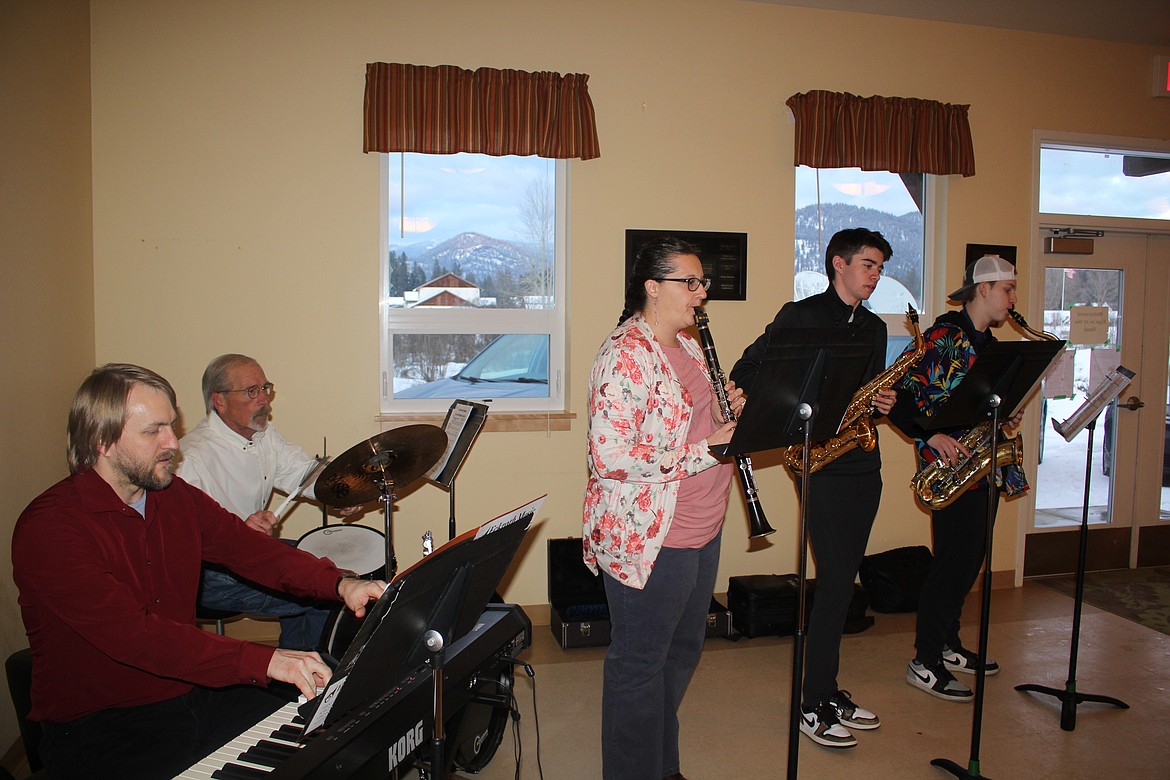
column 496, row 421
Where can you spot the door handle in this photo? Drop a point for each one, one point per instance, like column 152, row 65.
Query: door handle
column 1133, row 403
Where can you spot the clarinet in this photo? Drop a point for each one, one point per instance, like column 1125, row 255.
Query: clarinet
column 757, row 523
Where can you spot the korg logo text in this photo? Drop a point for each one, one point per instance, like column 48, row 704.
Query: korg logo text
column 405, row 745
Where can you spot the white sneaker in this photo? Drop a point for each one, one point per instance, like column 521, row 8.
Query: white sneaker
column 960, row 659
column 850, row 714
column 937, row 681
column 822, row 727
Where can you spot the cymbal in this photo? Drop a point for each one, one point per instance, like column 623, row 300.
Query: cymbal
column 398, row 456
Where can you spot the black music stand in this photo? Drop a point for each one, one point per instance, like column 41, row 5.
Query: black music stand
column 1097, row 400
column 800, row 394
column 1004, row 374
column 427, row 607
column 462, row 425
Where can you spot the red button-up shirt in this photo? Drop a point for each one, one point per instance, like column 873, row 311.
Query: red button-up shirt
column 108, row 596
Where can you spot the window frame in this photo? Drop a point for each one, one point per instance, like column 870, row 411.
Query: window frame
column 552, row 321
column 1065, row 141
column 934, row 189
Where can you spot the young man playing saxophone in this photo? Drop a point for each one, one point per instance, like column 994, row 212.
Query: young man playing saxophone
column 844, row 495
column 959, row 529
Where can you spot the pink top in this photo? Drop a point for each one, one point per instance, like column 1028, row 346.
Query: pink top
column 702, row 497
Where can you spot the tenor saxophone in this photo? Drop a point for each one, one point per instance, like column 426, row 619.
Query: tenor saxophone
column 937, row 485
column 857, row 427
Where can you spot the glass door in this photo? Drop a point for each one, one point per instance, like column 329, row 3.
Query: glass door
column 1105, row 293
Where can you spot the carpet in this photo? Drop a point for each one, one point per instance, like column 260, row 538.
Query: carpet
column 1141, row 595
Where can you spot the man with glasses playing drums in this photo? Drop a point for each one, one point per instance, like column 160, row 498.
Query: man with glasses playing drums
column 237, row 457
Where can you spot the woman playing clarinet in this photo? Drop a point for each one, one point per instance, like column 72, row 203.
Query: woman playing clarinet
column 654, row 506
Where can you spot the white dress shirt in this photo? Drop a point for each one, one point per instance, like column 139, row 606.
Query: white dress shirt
column 239, row 473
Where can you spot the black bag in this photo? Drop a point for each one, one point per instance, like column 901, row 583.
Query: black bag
column 765, row 604
column 893, row 579
column 579, row 610
column 856, row 620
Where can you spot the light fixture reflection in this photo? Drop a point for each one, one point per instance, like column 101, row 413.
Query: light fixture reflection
column 861, row 189
column 416, row 224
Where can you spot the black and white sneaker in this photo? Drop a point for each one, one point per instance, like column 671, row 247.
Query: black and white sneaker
column 850, row 714
column 960, row 659
column 937, row 681
column 822, row 727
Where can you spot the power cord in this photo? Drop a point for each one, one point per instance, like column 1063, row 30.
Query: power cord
column 518, row 748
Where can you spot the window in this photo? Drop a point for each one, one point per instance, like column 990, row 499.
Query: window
column 832, row 199
column 473, row 275
column 1103, row 182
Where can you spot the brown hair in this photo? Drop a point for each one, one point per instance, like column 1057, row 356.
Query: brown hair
column 98, row 412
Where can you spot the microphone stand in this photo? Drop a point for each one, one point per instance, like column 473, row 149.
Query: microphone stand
column 984, row 614
column 805, row 413
column 435, row 643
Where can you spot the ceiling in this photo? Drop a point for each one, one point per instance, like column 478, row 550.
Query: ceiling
column 1123, row 21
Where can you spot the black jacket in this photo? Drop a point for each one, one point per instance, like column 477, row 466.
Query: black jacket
column 825, row 310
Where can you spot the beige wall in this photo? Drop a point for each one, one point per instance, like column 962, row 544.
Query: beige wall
column 233, row 209
column 46, row 257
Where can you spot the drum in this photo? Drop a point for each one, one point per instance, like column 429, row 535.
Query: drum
column 357, row 548
column 478, row 729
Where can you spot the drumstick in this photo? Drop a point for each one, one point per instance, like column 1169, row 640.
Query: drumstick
column 311, row 475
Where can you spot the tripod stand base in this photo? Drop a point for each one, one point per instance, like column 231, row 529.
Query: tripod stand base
column 1069, row 699
column 971, row 771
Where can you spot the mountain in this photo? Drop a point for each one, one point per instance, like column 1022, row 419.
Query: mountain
column 475, row 253
column 904, row 233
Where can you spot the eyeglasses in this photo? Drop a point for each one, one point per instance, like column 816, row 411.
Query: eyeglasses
column 693, row 284
column 255, row 390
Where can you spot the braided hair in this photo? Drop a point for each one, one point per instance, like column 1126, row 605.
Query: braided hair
column 654, row 260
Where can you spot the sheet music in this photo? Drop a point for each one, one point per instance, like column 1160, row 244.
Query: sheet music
column 327, row 698
column 529, row 511
column 464, row 419
column 1101, row 396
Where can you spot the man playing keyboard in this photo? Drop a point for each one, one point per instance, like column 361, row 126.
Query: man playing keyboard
column 107, row 563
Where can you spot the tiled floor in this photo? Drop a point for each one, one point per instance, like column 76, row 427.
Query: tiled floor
column 735, row 717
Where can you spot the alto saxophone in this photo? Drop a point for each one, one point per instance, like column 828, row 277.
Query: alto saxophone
column 938, row 485
column 857, row 427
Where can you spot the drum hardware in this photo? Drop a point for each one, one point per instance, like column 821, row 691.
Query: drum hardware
column 373, row 469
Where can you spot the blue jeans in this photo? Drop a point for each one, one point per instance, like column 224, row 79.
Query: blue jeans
column 302, row 621
column 656, row 640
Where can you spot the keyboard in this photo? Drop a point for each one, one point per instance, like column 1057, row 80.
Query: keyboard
column 371, row 740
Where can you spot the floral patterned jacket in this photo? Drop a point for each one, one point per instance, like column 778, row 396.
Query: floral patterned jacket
column 950, row 352
column 639, row 415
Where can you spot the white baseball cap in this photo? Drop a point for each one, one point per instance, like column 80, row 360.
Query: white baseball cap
column 989, row 268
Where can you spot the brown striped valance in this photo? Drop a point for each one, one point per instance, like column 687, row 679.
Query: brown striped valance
column 902, row 135
column 445, row 109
